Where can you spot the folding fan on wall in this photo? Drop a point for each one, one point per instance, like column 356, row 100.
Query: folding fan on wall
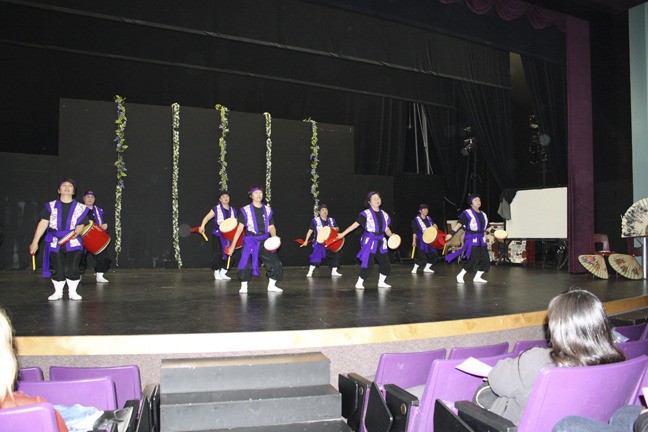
column 634, row 222
column 626, row 266
column 594, row 264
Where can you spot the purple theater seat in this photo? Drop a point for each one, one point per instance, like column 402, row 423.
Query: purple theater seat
column 522, row 346
column 33, row 418
column 633, row 349
column 127, row 379
column 406, row 369
column 403, row 369
column 443, row 382
column 30, row 374
column 478, row 351
column 595, row 392
column 632, row 332
column 97, row 392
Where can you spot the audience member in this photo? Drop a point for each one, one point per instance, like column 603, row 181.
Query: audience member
column 580, row 336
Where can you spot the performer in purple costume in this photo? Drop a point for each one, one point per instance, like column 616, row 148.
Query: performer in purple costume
column 102, row 260
column 373, row 242
column 220, row 212
column 60, row 218
column 425, row 253
column 257, row 220
column 474, row 248
column 320, row 252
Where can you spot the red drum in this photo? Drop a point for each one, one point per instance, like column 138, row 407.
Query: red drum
column 271, row 244
column 228, row 230
column 328, row 237
column 440, row 240
column 430, row 234
column 394, row 241
column 95, row 239
column 67, row 238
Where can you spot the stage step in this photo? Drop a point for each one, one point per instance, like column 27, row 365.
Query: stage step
column 235, row 373
column 282, row 391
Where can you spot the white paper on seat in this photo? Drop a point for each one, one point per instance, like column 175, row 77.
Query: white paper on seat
column 475, row 367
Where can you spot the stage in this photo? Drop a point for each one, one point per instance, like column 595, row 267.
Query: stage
column 147, row 301
column 144, row 316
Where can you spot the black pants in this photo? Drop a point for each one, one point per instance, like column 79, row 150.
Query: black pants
column 65, row 265
column 272, row 263
column 102, row 262
column 422, row 258
column 332, row 258
column 217, row 261
column 479, row 260
column 383, row 265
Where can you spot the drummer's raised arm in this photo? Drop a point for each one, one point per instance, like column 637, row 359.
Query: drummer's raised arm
column 209, row 216
column 353, row 226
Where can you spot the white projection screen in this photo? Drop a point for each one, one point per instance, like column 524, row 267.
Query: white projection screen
column 538, row 214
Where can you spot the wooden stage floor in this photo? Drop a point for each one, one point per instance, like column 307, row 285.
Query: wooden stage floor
column 189, row 301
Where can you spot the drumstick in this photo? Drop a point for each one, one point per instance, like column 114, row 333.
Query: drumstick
column 445, row 249
column 413, row 251
column 229, row 257
column 204, row 236
column 33, row 262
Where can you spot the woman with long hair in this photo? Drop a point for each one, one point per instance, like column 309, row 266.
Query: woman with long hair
column 580, row 336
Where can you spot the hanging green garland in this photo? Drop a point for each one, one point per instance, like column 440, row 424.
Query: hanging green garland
column 268, row 127
column 224, row 123
column 174, row 182
column 121, row 147
column 314, row 160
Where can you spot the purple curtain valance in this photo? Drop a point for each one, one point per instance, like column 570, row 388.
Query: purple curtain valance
column 513, row 9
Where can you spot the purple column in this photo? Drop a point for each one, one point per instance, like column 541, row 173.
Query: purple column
column 580, row 188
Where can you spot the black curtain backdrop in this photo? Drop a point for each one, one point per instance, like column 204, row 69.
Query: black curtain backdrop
column 445, row 135
column 294, row 59
column 548, row 89
column 488, row 112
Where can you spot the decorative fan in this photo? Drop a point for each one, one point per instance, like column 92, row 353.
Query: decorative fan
column 626, row 266
column 594, row 264
column 634, row 222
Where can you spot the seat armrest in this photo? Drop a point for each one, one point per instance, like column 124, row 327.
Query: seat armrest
column 400, row 403
column 446, row 420
column 481, row 419
column 379, row 417
column 354, row 389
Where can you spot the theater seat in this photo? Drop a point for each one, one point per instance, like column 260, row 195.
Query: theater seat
column 412, row 413
column 632, row 332
column 32, row 418
column 403, row 369
column 522, row 346
column 33, row 373
column 567, row 391
column 478, row 351
column 97, row 392
column 633, row 349
column 127, row 379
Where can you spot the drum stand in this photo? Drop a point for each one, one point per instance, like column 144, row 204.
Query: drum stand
column 502, row 252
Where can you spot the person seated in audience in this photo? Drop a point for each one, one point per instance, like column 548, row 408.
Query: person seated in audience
column 630, row 418
column 9, row 372
column 580, row 336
